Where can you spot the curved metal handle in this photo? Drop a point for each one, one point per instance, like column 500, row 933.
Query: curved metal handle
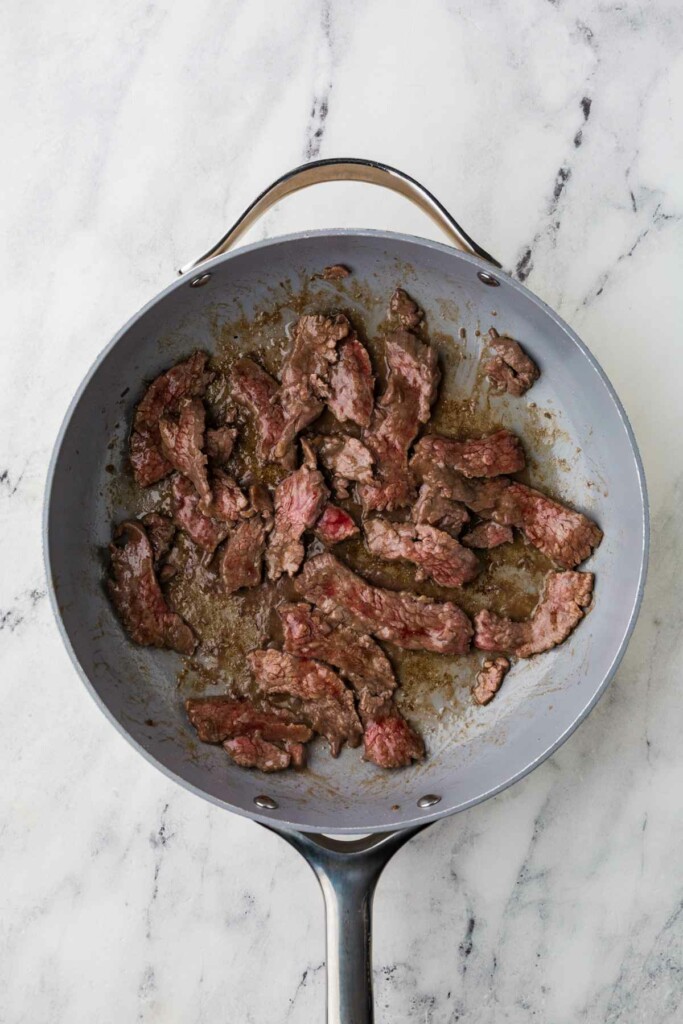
column 348, row 873
column 370, row 171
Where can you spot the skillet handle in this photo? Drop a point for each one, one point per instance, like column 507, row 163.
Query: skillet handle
column 348, row 873
column 370, row 171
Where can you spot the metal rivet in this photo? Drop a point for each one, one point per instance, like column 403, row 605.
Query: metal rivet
column 429, row 800
column 198, row 282
column 266, row 803
column 488, row 279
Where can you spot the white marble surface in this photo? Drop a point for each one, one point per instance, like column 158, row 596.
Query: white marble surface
column 133, row 134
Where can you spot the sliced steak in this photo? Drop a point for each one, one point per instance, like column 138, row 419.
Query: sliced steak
column 493, row 455
column 405, row 404
column 306, row 373
column 566, row 536
column 182, row 444
column 489, row 679
column 436, row 553
column 256, row 391
column 335, row 272
column 346, row 458
column 219, row 718
column 308, row 634
column 261, row 503
column 352, row 384
column 136, row 595
column 205, row 531
column 219, row 443
column 188, row 379
column 511, row 370
column 478, row 494
column 436, row 509
column 241, row 557
column 299, row 500
column 161, row 531
column 229, row 502
column 254, row 752
column 403, row 309
column 562, row 604
column 388, row 740
column 401, row 618
column 322, row 699
column 488, row 535
column 335, row 525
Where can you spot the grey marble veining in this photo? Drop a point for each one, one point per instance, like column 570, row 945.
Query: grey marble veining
column 134, row 135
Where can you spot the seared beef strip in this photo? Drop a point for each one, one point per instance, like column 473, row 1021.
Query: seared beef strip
column 493, row 455
column 336, row 272
column 388, row 740
column 321, row 696
column 346, row 458
column 434, row 552
column 511, row 370
column 257, row 391
column 161, row 531
column 297, row 753
column 335, row 525
column 182, row 442
column 219, row 443
column 241, row 557
column 299, row 500
column 137, row 597
column 478, row 494
column 489, row 679
column 401, row 618
column 403, row 309
column 188, row 379
column 261, row 503
column 229, row 503
column 352, row 384
column 254, row 752
column 187, row 515
column 358, row 657
column 561, row 607
column 566, row 536
column 436, row 509
column 403, row 406
column 306, row 374
column 219, row 718
column 487, row 535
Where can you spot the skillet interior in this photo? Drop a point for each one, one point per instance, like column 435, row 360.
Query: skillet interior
column 585, row 451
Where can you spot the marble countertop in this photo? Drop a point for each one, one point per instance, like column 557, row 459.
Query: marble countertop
column 134, row 135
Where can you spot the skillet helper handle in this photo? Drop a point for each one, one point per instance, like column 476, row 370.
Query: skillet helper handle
column 348, row 873
column 370, row 171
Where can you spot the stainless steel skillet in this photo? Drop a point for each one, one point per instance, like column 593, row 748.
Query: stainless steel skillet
column 592, row 458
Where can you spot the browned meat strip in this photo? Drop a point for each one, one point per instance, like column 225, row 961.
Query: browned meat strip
column 241, row 557
column 493, row 455
column 336, row 272
column 321, row 696
column 388, row 740
column 262, row 503
column 511, row 370
column 403, row 309
column 562, row 604
column 218, row 718
column 433, row 551
column 188, row 379
column 299, row 500
column 405, row 403
column 489, row 679
column 182, row 442
column 306, row 373
column 437, row 509
column 258, row 392
column 137, row 597
column 161, row 531
column 401, row 618
column 297, row 753
column 566, row 536
column 358, row 657
column 352, row 384
column 205, row 531
column 487, row 535
column 346, row 458
column 219, row 444
column 229, row 503
column 478, row 494
column 335, row 525
column 254, row 752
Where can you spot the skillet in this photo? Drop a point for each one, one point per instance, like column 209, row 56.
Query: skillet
column 591, row 456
